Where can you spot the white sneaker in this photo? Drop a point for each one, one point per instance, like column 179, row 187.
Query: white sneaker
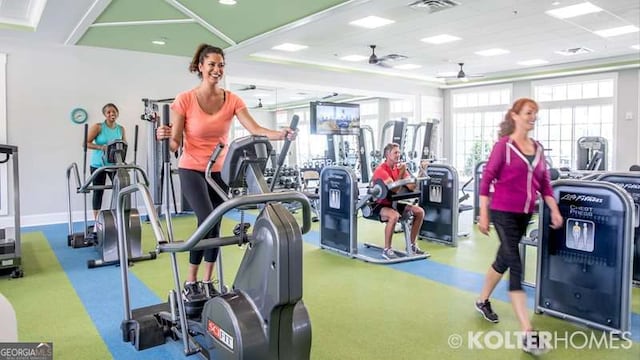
column 389, row 254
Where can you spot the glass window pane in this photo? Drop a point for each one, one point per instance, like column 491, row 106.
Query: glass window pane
column 605, row 88
column 462, row 100
column 483, row 98
column 472, row 99
column 607, row 114
column 590, row 90
column 559, row 92
column 554, row 132
column 574, row 91
column 505, row 96
column 494, row 98
column 543, row 93
column 580, row 115
column 594, row 115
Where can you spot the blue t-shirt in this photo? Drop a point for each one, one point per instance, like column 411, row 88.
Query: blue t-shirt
column 105, row 136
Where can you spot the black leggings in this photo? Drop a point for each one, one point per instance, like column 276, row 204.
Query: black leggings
column 510, row 227
column 99, row 180
column 202, row 199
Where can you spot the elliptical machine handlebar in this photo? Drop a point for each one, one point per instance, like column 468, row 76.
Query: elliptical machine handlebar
column 207, row 172
column 199, row 237
column 283, row 153
column 87, row 186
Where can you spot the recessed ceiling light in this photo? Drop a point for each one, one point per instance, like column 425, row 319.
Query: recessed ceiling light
column 158, row 42
column 636, row 47
column 289, row 47
column 371, row 22
column 492, row 52
column 573, row 10
column 555, row 3
column 440, row 39
column 621, row 30
column 227, row 2
column 353, row 58
column 407, row 66
column 533, row 62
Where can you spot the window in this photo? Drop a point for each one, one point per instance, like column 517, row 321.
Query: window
column 476, row 114
column 399, row 109
column 573, row 108
column 369, row 117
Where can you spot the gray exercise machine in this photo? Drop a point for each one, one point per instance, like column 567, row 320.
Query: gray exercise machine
column 630, row 181
column 339, row 208
column 262, row 316
column 584, row 267
column 441, row 205
column 105, row 237
column 10, row 241
column 591, row 153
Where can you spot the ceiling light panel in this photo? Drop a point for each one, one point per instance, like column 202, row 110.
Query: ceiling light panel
column 617, row 31
column 636, row 47
column 572, row 11
column 289, row 47
column 440, row 39
column 371, row 22
column 533, row 62
column 354, row 58
column 227, row 2
column 407, row 67
column 492, row 52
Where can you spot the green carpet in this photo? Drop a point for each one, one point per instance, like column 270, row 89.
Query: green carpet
column 44, row 300
column 358, row 310
column 365, row 311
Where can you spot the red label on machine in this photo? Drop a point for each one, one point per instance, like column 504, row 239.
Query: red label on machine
column 218, row 333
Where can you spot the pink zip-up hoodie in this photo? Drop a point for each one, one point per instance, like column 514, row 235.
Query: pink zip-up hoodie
column 516, row 182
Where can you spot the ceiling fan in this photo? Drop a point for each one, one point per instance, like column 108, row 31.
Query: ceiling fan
column 381, row 60
column 461, row 74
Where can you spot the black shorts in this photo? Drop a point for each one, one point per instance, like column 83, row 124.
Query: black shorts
column 375, row 210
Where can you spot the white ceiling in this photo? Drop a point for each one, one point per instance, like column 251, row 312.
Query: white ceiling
column 520, row 26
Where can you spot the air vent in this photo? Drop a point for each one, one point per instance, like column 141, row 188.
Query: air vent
column 574, row 51
column 433, row 5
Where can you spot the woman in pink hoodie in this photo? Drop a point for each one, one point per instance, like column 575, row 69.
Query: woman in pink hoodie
column 518, row 172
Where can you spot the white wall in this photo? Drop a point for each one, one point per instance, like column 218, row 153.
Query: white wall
column 44, row 82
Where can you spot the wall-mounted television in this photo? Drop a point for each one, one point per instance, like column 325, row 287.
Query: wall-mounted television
column 329, row 118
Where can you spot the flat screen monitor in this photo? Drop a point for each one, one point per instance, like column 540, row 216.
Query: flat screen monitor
column 329, row 118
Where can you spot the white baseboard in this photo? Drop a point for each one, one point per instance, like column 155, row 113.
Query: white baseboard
column 49, row 219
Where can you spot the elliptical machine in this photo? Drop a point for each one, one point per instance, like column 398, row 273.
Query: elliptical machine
column 263, row 316
column 105, row 237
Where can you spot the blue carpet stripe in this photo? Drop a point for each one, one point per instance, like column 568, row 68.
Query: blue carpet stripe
column 106, row 311
column 100, row 291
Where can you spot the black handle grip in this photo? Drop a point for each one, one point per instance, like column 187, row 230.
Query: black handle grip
column 216, row 153
column 135, row 139
column 165, row 142
column 287, row 142
column 86, row 136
